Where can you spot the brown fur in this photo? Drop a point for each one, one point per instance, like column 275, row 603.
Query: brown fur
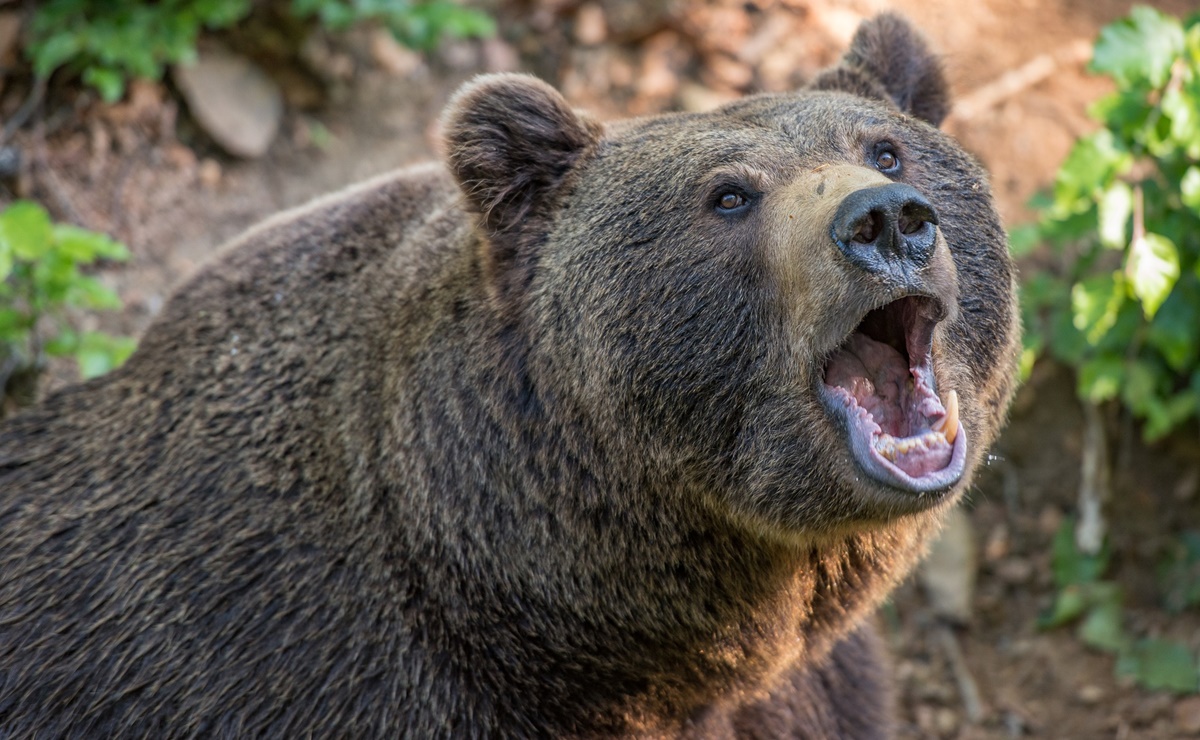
column 527, row 448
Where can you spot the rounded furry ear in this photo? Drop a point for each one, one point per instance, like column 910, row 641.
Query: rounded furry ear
column 889, row 59
column 511, row 139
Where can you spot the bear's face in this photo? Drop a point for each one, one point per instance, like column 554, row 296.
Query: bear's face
column 768, row 306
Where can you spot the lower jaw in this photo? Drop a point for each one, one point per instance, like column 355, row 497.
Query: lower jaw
column 876, row 467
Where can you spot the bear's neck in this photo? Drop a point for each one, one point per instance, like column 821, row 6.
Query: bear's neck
column 622, row 598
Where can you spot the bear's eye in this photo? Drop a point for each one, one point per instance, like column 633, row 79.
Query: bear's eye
column 887, row 161
column 730, row 201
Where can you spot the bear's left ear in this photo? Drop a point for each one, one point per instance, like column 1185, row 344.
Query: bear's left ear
column 890, row 60
column 511, row 139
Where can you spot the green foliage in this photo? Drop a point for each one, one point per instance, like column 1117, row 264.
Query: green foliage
column 1085, row 598
column 1124, row 216
column 108, row 42
column 419, row 25
column 40, row 279
column 1180, row 573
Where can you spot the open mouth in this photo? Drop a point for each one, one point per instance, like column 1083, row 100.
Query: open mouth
column 880, row 382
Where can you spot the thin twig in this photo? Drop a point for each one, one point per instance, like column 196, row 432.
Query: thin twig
column 968, row 690
column 32, row 101
column 1014, row 82
column 49, row 178
column 1094, row 482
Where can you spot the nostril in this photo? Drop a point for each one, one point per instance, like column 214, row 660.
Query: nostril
column 913, row 217
column 867, row 228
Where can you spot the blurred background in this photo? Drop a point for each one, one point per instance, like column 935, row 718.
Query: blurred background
column 1062, row 602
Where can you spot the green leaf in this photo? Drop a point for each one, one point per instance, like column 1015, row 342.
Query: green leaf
column 83, row 246
column 1189, row 188
column 1141, row 385
column 1023, row 239
column 1175, row 330
column 1160, row 664
column 1069, row 564
column 98, row 353
column 1179, row 105
column 1102, row 627
column 25, row 230
column 1100, row 378
column 1115, row 207
column 1153, row 269
column 1090, row 166
column 88, row 292
column 1069, row 605
column 109, row 82
column 51, row 53
column 1180, row 572
column 1095, row 303
column 62, row 344
column 1139, row 49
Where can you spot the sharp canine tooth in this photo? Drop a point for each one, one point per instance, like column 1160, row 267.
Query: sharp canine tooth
column 949, row 423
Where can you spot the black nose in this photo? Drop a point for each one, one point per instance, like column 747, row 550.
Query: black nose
column 886, row 229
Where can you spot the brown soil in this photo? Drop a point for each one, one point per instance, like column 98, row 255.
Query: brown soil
column 141, row 170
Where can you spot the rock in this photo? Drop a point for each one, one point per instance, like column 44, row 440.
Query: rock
column 727, row 72
column 1014, row 571
column 1049, row 520
column 948, row 574
column 946, row 721
column 235, row 102
column 10, row 162
column 591, row 28
column 998, row 544
column 1187, row 715
column 209, row 173
column 499, row 55
column 391, row 56
column 1091, row 694
column 698, row 98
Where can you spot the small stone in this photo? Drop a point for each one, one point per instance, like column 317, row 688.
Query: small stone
column 591, row 28
column 1049, row 520
column 180, row 157
column 1187, row 715
column 997, row 545
column 1091, row 694
column 1014, row 571
column 209, row 173
column 729, row 72
column 945, row 721
column 10, row 162
column 391, row 56
column 460, row 55
column 499, row 56
column 698, row 98
column 926, row 717
column 233, row 100
column 1189, row 483
column 658, row 77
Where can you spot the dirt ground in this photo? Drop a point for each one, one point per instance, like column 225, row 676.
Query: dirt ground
column 144, row 172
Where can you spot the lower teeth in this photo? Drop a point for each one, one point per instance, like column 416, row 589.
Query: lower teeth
column 890, row 447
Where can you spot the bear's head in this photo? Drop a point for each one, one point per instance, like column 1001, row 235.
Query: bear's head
column 769, row 306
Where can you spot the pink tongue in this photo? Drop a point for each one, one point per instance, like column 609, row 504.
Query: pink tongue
column 878, row 378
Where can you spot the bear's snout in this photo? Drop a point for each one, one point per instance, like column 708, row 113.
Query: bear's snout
column 886, row 229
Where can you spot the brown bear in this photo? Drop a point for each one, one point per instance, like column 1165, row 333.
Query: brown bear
column 594, row 430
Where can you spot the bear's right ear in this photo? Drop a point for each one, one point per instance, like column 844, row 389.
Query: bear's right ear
column 890, row 60
column 511, row 139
